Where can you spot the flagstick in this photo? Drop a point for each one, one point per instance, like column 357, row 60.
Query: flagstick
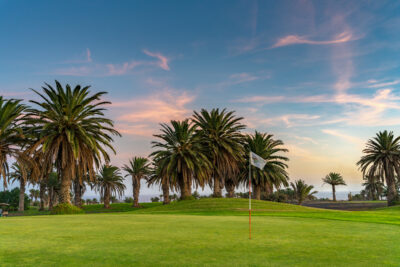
column 249, row 197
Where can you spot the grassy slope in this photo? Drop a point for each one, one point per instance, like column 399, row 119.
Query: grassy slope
column 169, row 235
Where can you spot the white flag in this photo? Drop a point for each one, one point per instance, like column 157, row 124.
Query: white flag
column 257, row 161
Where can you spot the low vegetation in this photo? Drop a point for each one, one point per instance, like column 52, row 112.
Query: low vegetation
column 205, row 232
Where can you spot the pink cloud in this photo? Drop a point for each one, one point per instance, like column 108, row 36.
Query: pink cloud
column 142, row 116
column 296, row 39
column 163, row 61
column 122, row 69
column 88, row 55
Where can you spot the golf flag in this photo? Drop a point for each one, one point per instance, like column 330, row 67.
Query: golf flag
column 257, row 161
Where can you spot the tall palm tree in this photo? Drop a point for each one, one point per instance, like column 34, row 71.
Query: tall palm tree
column 74, row 133
column 219, row 131
column 181, row 157
column 274, row 172
column 17, row 176
column 374, row 187
column 79, row 188
column 138, row 169
column 11, row 134
column 53, row 186
column 158, row 176
column 334, row 179
column 302, row 191
column 382, row 158
column 109, row 182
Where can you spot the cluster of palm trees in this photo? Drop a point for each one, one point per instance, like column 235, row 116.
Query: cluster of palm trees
column 62, row 142
column 210, row 149
column 381, row 162
column 63, row 139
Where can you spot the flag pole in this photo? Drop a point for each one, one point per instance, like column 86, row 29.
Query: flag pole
column 250, row 195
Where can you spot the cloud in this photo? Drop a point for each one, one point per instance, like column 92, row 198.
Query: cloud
column 296, row 39
column 88, row 55
column 163, row 61
column 142, row 116
column 346, row 137
column 88, row 68
column 375, row 84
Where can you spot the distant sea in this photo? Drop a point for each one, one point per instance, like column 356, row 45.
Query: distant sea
column 341, row 195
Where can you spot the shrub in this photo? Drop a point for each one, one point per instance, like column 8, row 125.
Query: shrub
column 155, row 199
column 65, row 208
column 128, row 200
column 189, row 198
column 12, row 198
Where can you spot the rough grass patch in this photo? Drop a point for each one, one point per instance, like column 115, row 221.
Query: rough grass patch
column 65, row 208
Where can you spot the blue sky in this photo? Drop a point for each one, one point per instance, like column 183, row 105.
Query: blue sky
column 323, row 76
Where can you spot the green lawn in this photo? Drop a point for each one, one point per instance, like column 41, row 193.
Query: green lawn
column 205, row 232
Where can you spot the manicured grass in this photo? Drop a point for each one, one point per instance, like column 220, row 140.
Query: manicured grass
column 117, row 207
column 95, row 208
column 205, row 232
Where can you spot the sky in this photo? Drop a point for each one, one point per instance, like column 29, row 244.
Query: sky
column 322, row 76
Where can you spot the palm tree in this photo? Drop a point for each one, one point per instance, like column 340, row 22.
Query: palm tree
column 220, row 135
column 181, row 156
column 274, row 172
column 373, row 186
column 79, row 189
column 302, row 191
column 158, row 176
column 74, row 132
column 31, row 194
column 138, row 168
column 18, row 176
column 382, row 158
column 53, row 185
column 109, row 182
column 334, row 179
column 11, row 134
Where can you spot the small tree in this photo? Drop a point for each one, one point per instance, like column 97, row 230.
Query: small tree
column 109, row 182
column 302, row 191
column 334, row 179
column 138, row 168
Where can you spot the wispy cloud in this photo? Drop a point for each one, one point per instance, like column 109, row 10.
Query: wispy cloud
column 346, row 137
column 163, row 61
column 87, row 67
column 88, row 55
column 141, row 116
column 296, row 39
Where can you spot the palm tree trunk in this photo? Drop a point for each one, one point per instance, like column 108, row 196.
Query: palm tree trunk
column 392, row 196
column 65, row 196
column 334, row 192
column 78, row 193
column 51, row 198
column 189, row 186
column 183, row 188
column 165, row 189
column 257, row 192
column 269, row 188
column 136, row 191
column 106, row 197
column 230, row 188
column 42, row 193
column 21, row 204
column 217, row 187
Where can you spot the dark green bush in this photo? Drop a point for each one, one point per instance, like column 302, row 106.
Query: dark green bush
column 12, row 198
column 65, row 208
column 189, row 198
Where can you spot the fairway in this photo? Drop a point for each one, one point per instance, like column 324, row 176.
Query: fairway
column 148, row 238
